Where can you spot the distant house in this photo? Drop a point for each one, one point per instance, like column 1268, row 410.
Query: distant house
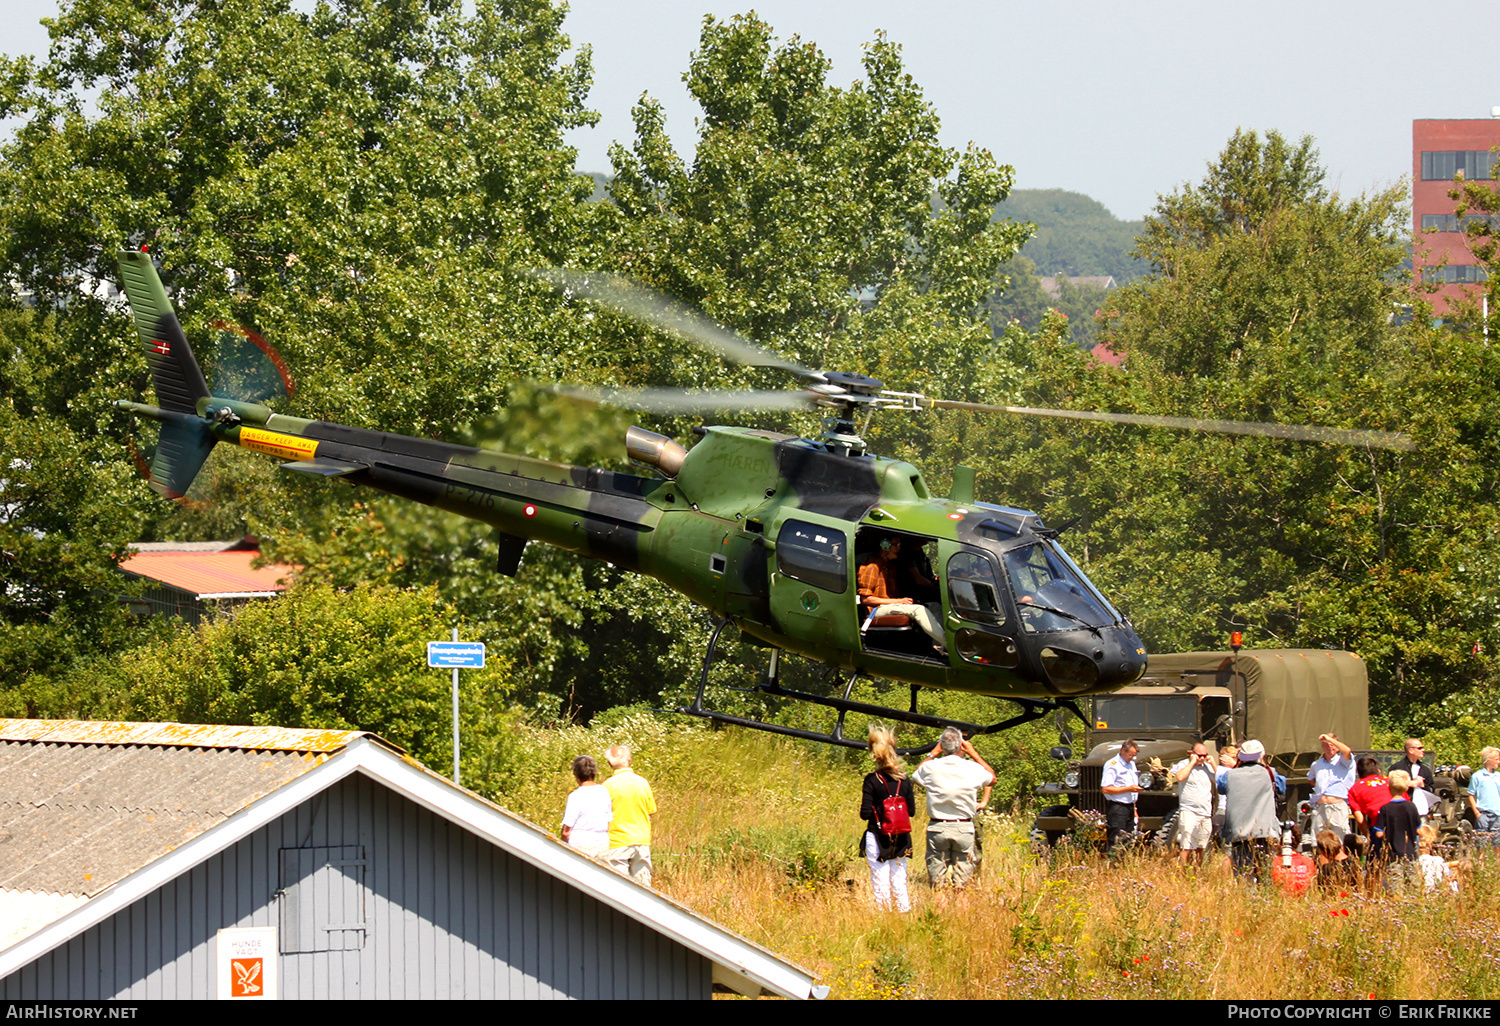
column 166, row 860
column 1105, row 355
column 1095, row 281
column 193, row 580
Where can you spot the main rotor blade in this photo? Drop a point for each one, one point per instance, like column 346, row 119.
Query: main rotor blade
column 1298, row 432
column 642, row 304
column 671, row 400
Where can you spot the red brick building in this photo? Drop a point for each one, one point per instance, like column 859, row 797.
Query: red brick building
column 1440, row 149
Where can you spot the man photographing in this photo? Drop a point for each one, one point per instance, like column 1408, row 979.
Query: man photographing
column 1195, row 804
column 951, row 782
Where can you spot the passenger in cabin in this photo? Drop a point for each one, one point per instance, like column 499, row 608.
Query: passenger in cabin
column 880, row 586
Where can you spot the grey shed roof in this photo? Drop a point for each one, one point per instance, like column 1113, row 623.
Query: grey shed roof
column 107, row 812
column 83, row 805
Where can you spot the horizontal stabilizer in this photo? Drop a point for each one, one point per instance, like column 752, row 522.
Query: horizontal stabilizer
column 325, row 468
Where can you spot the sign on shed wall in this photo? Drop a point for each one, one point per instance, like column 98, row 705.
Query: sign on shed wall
column 245, row 963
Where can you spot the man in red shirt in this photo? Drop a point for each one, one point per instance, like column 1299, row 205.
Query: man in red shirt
column 1368, row 794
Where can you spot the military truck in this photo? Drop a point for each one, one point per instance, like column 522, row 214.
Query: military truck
column 1283, row 698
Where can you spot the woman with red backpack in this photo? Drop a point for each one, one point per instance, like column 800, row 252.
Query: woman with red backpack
column 887, row 806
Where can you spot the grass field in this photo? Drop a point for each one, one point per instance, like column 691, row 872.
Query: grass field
column 759, row 833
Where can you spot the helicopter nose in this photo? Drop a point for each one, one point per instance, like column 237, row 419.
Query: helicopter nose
column 1122, row 659
column 1112, row 659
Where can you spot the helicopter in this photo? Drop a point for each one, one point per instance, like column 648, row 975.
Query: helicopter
column 796, row 542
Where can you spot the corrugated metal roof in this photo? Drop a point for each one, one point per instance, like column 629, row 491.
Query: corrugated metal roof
column 178, row 735
column 210, row 573
column 76, row 818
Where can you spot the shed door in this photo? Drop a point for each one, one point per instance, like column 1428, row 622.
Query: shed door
column 322, row 899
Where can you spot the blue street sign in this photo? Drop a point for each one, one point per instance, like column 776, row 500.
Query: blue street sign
column 458, row 655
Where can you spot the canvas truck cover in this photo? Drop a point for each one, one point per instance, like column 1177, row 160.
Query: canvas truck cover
column 1292, row 695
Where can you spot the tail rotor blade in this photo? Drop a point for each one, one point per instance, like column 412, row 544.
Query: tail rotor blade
column 249, row 368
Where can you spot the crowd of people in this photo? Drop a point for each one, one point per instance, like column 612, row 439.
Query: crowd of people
column 1370, row 828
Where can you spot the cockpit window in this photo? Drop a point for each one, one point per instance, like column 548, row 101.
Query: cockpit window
column 973, row 592
column 1051, row 594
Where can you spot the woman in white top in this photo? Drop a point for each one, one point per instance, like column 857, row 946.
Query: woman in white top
column 588, row 812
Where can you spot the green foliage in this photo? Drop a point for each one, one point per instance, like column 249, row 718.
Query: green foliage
column 805, row 856
column 802, row 196
column 360, row 182
column 1271, row 299
column 316, row 657
column 67, row 503
column 1023, row 301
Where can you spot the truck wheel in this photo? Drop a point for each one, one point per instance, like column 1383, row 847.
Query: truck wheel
column 1043, row 841
column 1168, row 830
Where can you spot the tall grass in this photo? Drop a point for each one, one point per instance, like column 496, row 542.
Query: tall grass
column 759, row 833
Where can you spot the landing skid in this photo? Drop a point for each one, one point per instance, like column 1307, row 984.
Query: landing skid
column 1031, row 709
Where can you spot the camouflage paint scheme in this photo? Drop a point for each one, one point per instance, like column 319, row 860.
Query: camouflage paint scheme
column 711, row 532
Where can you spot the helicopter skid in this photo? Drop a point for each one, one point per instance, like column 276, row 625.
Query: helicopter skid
column 1031, row 709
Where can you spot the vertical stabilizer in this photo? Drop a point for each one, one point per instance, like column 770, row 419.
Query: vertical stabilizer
column 185, row 442
column 174, row 370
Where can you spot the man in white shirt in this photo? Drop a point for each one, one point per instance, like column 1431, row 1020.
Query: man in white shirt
column 1121, row 785
column 1195, row 804
column 951, row 782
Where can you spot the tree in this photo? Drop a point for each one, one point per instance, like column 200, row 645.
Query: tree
column 364, row 183
column 1271, row 298
column 1075, row 235
column 806, row 204
column 316, row 657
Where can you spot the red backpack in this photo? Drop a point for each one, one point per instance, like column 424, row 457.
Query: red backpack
column 894, row 819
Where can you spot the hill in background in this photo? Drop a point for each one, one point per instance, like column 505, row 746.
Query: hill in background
column 1076, row 235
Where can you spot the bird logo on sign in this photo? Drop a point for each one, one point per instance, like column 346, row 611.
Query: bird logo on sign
column 246, row 976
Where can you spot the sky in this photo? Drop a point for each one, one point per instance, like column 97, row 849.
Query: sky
column 1120, row 101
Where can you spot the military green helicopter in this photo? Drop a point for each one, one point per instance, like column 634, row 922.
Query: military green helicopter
column 801, row 544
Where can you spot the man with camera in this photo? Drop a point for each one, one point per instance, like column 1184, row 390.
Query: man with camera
column 1195, row 804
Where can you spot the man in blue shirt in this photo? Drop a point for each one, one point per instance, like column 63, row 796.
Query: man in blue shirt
column 1484, row 791
column 1331, row 777
column 1121, row 785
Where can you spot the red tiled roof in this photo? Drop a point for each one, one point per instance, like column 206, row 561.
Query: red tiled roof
column 210, row 573
column 1104, row 354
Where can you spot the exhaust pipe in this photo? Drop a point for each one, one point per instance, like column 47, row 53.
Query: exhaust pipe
column 657, row 450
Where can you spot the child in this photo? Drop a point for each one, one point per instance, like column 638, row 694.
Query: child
column 1436, row 874
column 1395, row 833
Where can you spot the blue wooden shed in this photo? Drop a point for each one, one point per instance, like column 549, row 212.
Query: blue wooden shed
column 147, row 860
